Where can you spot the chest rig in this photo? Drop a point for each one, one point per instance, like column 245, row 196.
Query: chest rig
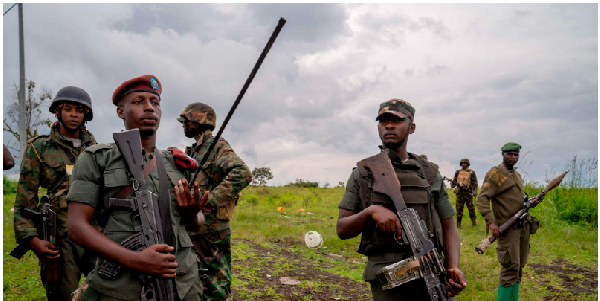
column 415, row 176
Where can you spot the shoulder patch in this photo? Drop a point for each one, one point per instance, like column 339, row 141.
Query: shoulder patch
column 100, row 146
column 495, row 176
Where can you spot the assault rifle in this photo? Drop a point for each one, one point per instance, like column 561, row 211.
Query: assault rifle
column 461, row 187
column 426, row 261
column 45, row 221
column 522, row 214
column 146, row 203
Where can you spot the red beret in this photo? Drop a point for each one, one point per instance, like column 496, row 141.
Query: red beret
column 144, row 83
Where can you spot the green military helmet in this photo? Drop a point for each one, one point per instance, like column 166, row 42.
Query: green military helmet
column 465, row 161
column 73, row 94
column 200, row 113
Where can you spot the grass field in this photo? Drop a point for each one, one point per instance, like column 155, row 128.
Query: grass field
column 268, row 251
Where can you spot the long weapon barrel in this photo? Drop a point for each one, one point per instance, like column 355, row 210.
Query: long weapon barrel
column 487, row 242
column 259, row 62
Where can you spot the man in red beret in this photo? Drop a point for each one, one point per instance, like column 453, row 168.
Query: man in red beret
column 101, row 174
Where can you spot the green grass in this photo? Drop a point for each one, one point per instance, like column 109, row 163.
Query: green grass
column 258, row 225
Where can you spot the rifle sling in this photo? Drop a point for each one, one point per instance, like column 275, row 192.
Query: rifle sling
column 163, row 198
column 147, row 170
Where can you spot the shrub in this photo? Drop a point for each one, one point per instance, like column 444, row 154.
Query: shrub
column 9, row 186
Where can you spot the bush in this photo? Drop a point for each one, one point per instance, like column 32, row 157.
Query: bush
column 304, row 184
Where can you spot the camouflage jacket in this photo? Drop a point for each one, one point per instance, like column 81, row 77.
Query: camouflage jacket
column 224, row 174
column 44, row 165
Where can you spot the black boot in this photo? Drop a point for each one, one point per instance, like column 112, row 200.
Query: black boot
column 474, row 223
column 458, row 223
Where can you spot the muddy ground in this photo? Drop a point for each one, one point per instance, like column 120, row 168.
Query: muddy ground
column 305, row 279
column 574, row 280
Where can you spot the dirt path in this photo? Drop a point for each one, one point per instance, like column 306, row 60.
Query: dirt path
column 274, row 273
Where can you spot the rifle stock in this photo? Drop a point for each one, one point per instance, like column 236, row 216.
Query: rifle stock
column 488, row 241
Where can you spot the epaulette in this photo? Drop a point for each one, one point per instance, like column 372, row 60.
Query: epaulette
column 100, row 146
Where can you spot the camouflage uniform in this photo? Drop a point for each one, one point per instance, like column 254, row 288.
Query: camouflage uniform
column 468, row 179
column 225, row 175
column 44, row 165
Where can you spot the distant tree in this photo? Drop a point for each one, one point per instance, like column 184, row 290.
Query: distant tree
column 326, row 185
column 341, row 184
column 34, row 105
column 304, row 184
column 261, row 175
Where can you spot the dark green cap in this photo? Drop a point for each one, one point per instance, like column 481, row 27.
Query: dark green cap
column 397, row 107
column 511, row 147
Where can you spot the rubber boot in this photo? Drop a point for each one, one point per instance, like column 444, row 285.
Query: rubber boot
column 515, row 291
column 505, row 293
column 458, row 223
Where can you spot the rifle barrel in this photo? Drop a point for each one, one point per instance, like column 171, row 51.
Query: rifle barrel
column 259, row 62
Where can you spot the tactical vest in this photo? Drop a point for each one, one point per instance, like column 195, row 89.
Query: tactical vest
column 416, row 176
column 464, row 177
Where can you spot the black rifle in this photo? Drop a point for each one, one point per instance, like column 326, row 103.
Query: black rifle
column 45, row 222
column 146, row 203
column 461, row 187
column 237, row 101
column 426, row 261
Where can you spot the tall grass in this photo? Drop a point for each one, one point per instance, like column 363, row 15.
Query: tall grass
column 575, row 201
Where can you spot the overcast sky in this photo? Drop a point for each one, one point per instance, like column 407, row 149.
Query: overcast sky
column 478, row 75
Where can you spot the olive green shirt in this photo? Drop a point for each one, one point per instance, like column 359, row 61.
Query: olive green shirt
column 101, row 173
column 504, row 188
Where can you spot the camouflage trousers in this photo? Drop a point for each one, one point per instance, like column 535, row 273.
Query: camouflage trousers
column 214, row 260
column 512, row 251
column 71, row 264
column 461, row 199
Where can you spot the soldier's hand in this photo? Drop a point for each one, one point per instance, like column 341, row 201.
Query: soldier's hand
column 456, row 281
column 386, row 219
column 150, row 261
column 43, row 249
column 495, row 229
column 184, row 197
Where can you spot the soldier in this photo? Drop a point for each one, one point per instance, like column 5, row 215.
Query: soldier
column 48, row 163
column 101, row 174
column 224, row 175
column 504, row 187
column 466, row 178
column 358, row 214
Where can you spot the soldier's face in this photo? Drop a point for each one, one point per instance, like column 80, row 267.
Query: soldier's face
column 72, row 116
column 394, row 130
column 140, row 110
column 464, row 165
column 510, row 158
column 190, row 128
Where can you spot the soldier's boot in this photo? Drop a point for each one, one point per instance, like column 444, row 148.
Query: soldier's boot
column 474, row 222
column 505, row 293
column 515, row 291
column 458, row 223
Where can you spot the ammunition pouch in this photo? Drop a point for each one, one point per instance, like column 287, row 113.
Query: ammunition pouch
column 535, row 224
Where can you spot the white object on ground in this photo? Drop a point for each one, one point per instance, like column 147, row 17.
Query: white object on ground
column 313, row 239
column 288, row 280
